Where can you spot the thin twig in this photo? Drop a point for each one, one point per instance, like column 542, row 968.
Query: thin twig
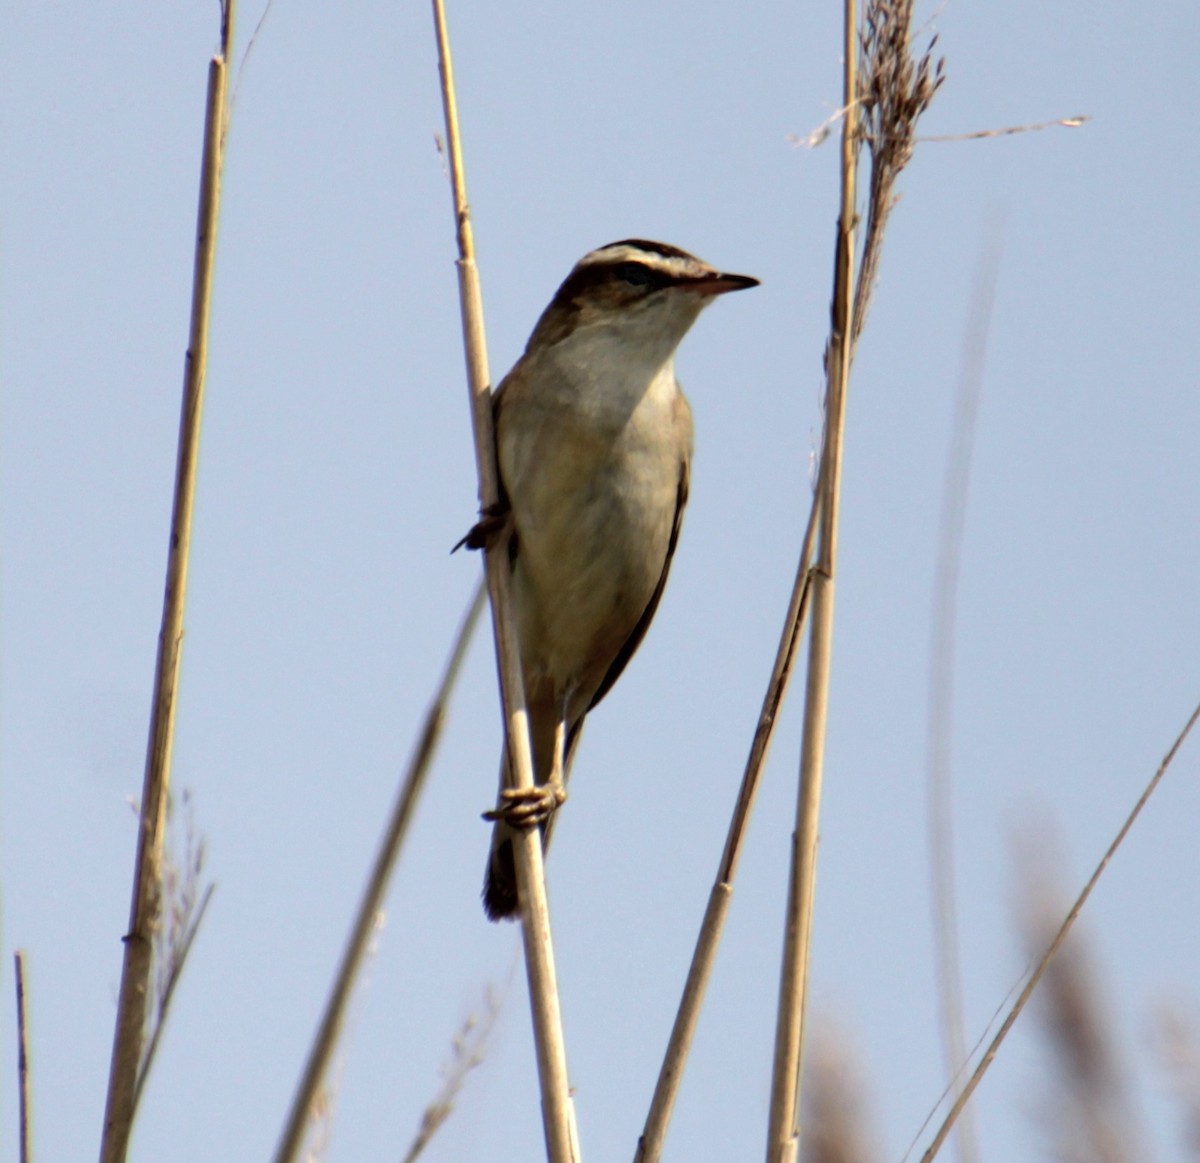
column 1009, row 130
column 250, row 44
column 407, row 797
column 943, row 882
column 557, row 1112
column 670, row 1075
column 821, row 134
column 135, row 989
column 1068, row 922
column 25, row 1126
column 784, row 1126
column 951, row 1087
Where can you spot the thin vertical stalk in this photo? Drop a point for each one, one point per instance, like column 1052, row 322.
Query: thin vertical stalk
column 368, row 910
column 135, row 989
column 670, row 1075
column 557, row 1113
column 784, row 1126
column 25, row 1115
column 942, row 653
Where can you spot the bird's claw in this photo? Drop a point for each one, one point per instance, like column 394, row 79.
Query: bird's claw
column 492, row 524
column 525, row 807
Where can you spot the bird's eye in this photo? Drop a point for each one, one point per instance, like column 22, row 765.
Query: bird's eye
column 634, row 274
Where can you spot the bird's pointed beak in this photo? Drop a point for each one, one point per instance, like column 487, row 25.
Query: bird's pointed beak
column 720, row 283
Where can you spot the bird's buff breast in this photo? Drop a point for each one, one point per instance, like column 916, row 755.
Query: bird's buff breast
column 594, row 505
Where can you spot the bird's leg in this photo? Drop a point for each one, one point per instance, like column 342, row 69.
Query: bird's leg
column 523, row 807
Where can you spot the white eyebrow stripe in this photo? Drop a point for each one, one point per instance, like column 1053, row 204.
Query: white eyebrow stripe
column 675, row 266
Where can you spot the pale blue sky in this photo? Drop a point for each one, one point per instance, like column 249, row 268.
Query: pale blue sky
column 336, row 472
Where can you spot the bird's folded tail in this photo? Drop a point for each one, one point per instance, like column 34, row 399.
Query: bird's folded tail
column 500, row 883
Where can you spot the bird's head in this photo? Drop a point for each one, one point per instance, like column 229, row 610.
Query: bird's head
column 642, row 293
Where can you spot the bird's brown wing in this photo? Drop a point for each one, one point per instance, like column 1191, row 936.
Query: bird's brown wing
column 643, row 624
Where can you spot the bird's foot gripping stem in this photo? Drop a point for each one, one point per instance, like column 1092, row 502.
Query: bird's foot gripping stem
column 525, row 807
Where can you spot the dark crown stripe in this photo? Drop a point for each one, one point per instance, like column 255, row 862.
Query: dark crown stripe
column 651, row 247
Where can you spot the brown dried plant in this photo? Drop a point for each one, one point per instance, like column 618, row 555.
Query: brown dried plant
column 1177, row 1047
column 836, row 1127
column 466, row 1052
column 1084, row 1103
column 894, row 89
column 184, row 901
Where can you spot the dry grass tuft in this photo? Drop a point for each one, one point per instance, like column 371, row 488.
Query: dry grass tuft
column 184, row 900
column 184, row 895
column 1084, row 1103
column 836, row 1125
column 1177, row 1045
column 466, row 1052
column 894, row 89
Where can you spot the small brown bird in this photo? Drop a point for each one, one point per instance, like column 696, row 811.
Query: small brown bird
column 594, row 443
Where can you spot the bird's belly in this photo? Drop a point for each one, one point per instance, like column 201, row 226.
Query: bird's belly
column 593, row 542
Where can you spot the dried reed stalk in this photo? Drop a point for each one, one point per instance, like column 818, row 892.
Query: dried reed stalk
column 882, row 103
column 942, row 652
column 135, row 989
column 330, row 1026
column 25, row 1115
column 557, row 1112
column 670, row 1075
column 894, row 118
column 784, row 1125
